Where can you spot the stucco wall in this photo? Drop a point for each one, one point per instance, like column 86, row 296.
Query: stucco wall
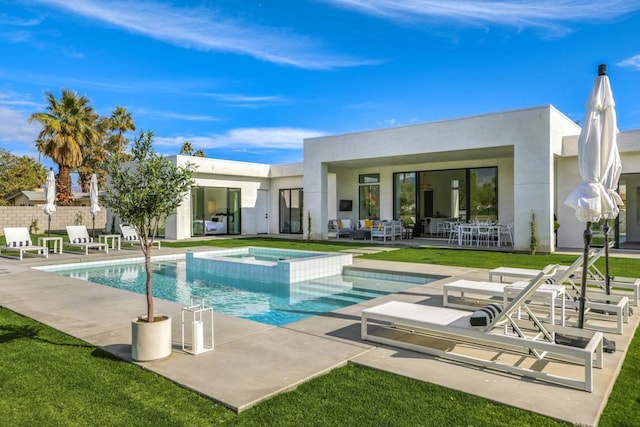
column 526, row 141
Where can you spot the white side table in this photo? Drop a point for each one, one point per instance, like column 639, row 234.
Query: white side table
column 57, row 244
column 115, row 240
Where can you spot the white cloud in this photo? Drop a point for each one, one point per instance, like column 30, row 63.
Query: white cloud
column 16, row 133
column 633, row 62
column 281, row 138
column 205, row 30
column 177, row 116
column 517, row 13
column 10, row 98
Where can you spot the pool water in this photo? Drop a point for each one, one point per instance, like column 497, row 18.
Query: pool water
column 271, row 303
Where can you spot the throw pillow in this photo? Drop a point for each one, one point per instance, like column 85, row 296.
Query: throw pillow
column 485, row 315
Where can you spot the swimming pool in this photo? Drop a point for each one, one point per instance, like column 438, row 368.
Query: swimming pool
column 271, row 303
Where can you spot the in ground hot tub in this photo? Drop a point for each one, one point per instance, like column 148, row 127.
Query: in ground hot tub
column 268, row 264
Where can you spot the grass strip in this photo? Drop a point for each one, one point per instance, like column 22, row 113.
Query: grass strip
column 50, row 378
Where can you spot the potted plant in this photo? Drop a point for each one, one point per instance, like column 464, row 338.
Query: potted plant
column 143, row 193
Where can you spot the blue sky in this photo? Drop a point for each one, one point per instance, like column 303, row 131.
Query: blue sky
column 249, row 79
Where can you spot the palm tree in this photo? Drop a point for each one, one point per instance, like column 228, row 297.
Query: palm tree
column 121, row 121
column 94, row 154
column 67, row 125
column 186, row 149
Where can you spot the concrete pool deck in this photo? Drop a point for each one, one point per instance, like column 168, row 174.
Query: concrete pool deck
column 252, row 361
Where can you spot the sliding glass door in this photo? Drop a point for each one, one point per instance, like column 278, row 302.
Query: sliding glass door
column 429, row 198
column 291, row 211
column 215, row 210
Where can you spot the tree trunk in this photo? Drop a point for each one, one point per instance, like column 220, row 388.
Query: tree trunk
column 64, row 194
column 146, row 248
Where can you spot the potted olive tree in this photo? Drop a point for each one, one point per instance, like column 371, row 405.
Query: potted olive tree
column 143, row 193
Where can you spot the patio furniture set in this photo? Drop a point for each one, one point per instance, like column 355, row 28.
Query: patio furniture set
column 367, row 229
column 18, row 239
column 482, row 322
column 478, row 233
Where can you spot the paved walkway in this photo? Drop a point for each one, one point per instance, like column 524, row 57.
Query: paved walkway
column 252, row 361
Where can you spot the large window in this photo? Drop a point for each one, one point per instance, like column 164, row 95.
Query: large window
column 369, row 196
column 291, row 211
column 404, row 202
column 215, row 210
column 446, row 195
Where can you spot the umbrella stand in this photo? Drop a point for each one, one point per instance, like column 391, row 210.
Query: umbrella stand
column 585, row 262
column 607, row 279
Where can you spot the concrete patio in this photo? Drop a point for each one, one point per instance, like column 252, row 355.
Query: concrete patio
column 252, row 361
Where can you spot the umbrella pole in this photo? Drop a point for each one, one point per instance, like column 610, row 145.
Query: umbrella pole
column 607, row 278
column 49, row 231
column 585, row 263
column 94, row 226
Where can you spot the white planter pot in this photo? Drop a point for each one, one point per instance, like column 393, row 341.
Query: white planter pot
column 150, row 341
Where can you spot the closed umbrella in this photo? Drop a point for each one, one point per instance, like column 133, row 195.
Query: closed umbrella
column 50, row 195
column 598, row 160
column 611, row 184
column 93, row 196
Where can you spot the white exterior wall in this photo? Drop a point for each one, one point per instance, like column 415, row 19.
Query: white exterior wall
column 534, row 150
column 248, row 177
column 532, row 137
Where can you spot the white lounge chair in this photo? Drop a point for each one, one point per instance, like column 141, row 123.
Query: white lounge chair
column 598, row 307
column 530, row 340
column 130, row 235
column 627, row 286
column 18, row 239
column 79, row 238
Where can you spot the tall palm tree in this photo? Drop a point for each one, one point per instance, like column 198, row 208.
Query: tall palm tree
column 186, row 149
column 67, row 125
column 94, row 154
column 121, row 122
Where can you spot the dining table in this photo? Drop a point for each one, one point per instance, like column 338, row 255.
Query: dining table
column 467, row 232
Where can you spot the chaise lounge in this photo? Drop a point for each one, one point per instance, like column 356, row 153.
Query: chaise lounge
column 605, row 313
column 595, row 278
column 18, row 239
column 130, row 235
column 79, row 238
column 413, row 325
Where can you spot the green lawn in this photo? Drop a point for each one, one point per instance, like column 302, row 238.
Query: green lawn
column 49, row 378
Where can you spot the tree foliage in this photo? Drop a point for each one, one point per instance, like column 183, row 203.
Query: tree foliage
column 67, row 125
column 144, row 193
column 18, row 173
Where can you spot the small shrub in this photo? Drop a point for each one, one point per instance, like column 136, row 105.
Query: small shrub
column 533, row 244
column 78, row 219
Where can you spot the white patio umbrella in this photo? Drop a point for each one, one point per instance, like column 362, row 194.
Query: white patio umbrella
column 50, row 195
column 611, row 179
column 600, row 166
column 93, row 196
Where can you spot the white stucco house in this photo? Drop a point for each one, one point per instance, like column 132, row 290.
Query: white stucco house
column 504, row 166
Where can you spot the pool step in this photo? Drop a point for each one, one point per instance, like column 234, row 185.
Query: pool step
column 336, row 290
